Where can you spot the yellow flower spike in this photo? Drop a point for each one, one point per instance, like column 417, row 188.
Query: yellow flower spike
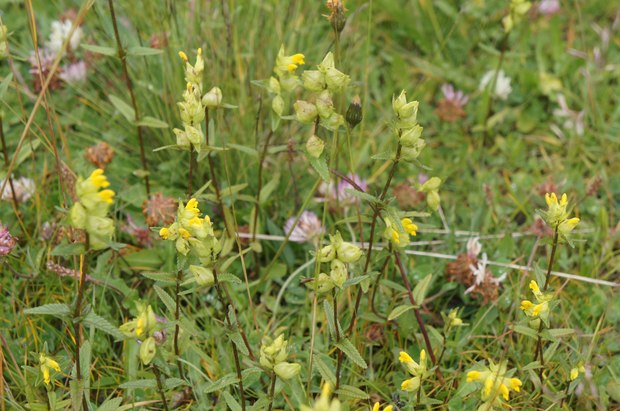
column 409, row 385
column 184, row 233
column 534, row 287
column 195, row 221
column 183, row 56
column 98, row 179
column 537, row 309
column 164, row 233
column 504, row 391
column 404, row 357
column 515, row 384
column 473, row 376
column 107, row 196
column 47, row 363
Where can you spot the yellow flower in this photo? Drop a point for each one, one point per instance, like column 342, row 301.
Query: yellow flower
column 164, row 233
column 107, row 196
column 567, row 226
column 417, row 370
column 495, row 384
column 183, row 56
column 46, row 364
column 409, row 226
column 377, row 407
column 411, row 384
column 473, row 376
column 541, row 309
column 574, row 373
column 287, row 64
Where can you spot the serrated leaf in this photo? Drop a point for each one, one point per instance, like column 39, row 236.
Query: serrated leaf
column 102, row 324
column 57, row 310
column 363, row 196
column 355, row 280
column 125, row 109
column 139, row 384
column 354, row 393
column 161, row 277
column 521, row 329
column 385, row 155
column 166, row 299
column 66, row 250
column 400, row 310
column 143, row 51
column 111, row 405
column 236, row 338
column 152, row 122
column 560, row 332
column 320, row 165
column 421, row 289
column 350, row 351
column 228, row 278
column 223, row 382
column 329, row 314
column 324, row 369
column 108, row 51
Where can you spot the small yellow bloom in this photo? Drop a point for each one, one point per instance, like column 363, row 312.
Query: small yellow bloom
column 107, row 196
column 404, row 357
column 395, row 236
column 473, row 376
column 298, row 58
column 412, row 384
column 515, row 384
column 409, row 226
column 98, row 179
column 534, row 287
column 46, row 363
column 504, row 391
column 526, row 305
column 164, row 233
column 422, row 356
column 184, row 233
column 183, row 56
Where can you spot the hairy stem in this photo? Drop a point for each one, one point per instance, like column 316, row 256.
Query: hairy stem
column 177, row 327
column 272, row 389
column 160, row 386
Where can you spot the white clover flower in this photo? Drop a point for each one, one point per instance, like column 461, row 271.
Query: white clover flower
column 502, row 84
column 60, row 32
column 74, row 73
column 573, row 120
column 24, row 189
column 308, row 227
column 480, row 274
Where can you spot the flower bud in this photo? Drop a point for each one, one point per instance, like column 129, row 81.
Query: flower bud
column 411, row 136
column 204, row 276
column 324, row 283
column 347, row 252
column 432, row 199
column 338, row 273
column 274, row 85
column 77, row 216
column 148, row 348
column 325, row 104
column 326, row 254
column 333, row 122
column 213, row 98
column 286, row 370
column 306, row 112
column 354, row 112
column 277, row 105
column 315, row 146
column 336, row 80
column 410, row 153
column 432, row 184
column 313, row 80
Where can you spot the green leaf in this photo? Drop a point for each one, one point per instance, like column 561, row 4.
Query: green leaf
column 329, row 314
column 166, row 299
column 228, row 278
column 349, row 349
column 171, row 383
column 385, row 155
column 324, row 369
column 5, row 84
column 522, row 329
column 123, row 108
column 102, row 324
column 111, row 405
column 364, row 196
column 421, row 289
column 66, row 250
column 164, row 277
column 236, row 338
column 152, row 122
column 108, row 51
column 350, row 392
column 560, row 332
column 231, row 402
column 139, row 384
column 320, row 165
column 223, row 382
column 244, row 149
column 400, row 310
column 57, row 310
column 143, row 51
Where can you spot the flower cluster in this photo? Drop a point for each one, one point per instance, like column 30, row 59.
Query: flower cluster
column 7, row 241
column 450, row 107
column 338, row 253
column 273, row 355
column 556, row 215
column 407, row 127
column 307, row 229
column 398, row 232
column 194, row 104
column 431, row 189
column 46, row 364
column 92, row 206
column 285, row 79
column 144, row 328
column 502, row 82
column 497, row 384
column 540, row 310
column 325, row 81
column 324, row 402
column 24, row 189
column 190, row 232
column 418, row 370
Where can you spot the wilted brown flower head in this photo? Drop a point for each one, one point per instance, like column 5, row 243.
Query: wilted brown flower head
column 100, row 155
column 337, row 17
column 450, row 107
column 548, row 186
column 159, row 210
column 7, row 241
column 407, row 196
column 40, row 68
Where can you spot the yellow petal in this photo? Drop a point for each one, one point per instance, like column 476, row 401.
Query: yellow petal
column 375, row 407
column 164, row 233
column 473, row 376
column 183, row 56
column 574, row 373
column 504, row 391
column 404, row 357
column 534, row 287
column 526, row 305
column 515, row 384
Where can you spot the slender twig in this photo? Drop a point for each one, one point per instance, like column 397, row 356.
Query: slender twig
column 6, row 163
column 272, row 389
column 122, row 55
column 77, row 313
column 177, row 327
column 234, row 347
column 160, row 386
column 416, row 311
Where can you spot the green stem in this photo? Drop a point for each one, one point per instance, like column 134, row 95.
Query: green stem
column 160, row 386
column 77, row 325
column 177, row 327
column 272, row 390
